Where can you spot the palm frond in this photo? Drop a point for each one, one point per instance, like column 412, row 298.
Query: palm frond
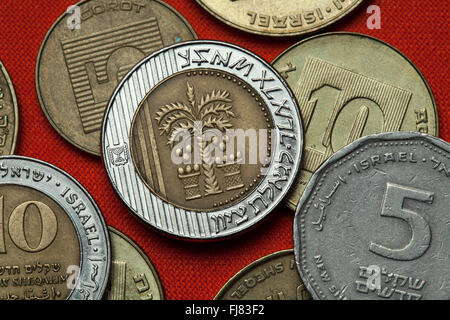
column 173, row 107
column 181, row 128
column 214, row 96
column 217, row 123
column 216, row 109
column 169, row 121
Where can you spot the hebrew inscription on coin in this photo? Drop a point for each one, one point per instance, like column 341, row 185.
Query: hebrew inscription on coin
column 9, row 114
column 202, row 140
column 373, row 221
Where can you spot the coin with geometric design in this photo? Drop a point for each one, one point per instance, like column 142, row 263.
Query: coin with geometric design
column 351, row 85
column 373, row 221
column 88, row 51
column 53, row 239
column 9, row 114
column 202, row 140
column 133, row 276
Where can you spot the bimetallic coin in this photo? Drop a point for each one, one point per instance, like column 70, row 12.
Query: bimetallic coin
column 273, row 277
column 373, row 221
column 133, row 276
column 79, row 65
column 53, row 239
column 279, row 17
column 348, row 86
column 9, row 114
column 202, row 140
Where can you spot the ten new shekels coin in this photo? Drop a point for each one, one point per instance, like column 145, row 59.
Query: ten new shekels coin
column 350, row 85
column 373, row 221
column 9, row 114
column 86, row 53
column 279, row 17
column 202, row 140
column 53, row 239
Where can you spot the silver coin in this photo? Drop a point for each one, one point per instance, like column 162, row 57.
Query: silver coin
column 53, row 236
column 373, row 222
column 210, row 199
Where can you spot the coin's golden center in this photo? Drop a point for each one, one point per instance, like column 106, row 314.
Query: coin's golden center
column 191, row 117
column 38, row 244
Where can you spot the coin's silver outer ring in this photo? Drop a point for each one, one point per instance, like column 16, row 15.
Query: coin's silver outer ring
column 85, row 288
column 342, row 153
column 164, row 217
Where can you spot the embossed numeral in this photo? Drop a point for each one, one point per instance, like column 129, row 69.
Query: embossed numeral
column 392, row 206
column 16, row 226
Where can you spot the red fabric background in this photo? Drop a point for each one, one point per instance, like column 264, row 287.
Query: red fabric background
column 419, row 28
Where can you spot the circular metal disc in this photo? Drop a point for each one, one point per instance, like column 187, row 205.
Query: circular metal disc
column 273, row 277
column 373, row 221
column 78, row 69
column 279, row 17
column 54, row 241
column 350, row 85
column 9, row 114
column 133, row 276
column 197, row 86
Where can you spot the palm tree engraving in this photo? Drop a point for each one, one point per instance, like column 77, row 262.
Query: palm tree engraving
column 212, row 111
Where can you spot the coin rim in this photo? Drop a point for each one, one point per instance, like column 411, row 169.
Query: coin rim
column 287, row 202
column 101, row 220
column 15, row 106
column 37, row 68
column 292, row 34
column 221, row 294
column 342, row 153
column 288, row 186
column 139, row 250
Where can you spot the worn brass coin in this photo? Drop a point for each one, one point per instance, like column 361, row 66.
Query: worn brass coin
column 202, row 140
column 133, row 276
column 373, row 221
column 273, row 277
column 9, row 114
column 53, row 239
column 279, row 17
column 78, row 69
column 348, row 86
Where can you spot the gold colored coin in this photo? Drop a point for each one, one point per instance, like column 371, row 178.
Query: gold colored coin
column 133, row 276
column 279, row 17
column 273, row 277
column 212, row 99
column 38, row 230
column 351, row 85
column 80, row 65
column 9, row 114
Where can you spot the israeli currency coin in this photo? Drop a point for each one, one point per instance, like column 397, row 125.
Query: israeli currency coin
column 9, row 114
column 373, row 221
column 273, row 277
column 53, row 239
column 202, row 140
column 279, row 17
column 133, row 276
column 350, row 85
column 86, row 53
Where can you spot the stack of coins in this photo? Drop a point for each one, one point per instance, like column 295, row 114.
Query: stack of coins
column 203, row 139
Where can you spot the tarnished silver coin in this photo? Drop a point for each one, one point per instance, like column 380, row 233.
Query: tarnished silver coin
column 53, row 239
column 202, row 140
column 373, row 222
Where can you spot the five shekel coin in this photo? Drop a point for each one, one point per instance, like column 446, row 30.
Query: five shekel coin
column 88, row 51
column 133, row 276
column 202, row 140
column 279, row 17
column 373, row 221
column 348, row 86
column 9, row 114
column 273, row 277
column 53, row 240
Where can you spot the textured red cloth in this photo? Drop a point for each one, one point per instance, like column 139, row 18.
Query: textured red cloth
column 419, row 28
